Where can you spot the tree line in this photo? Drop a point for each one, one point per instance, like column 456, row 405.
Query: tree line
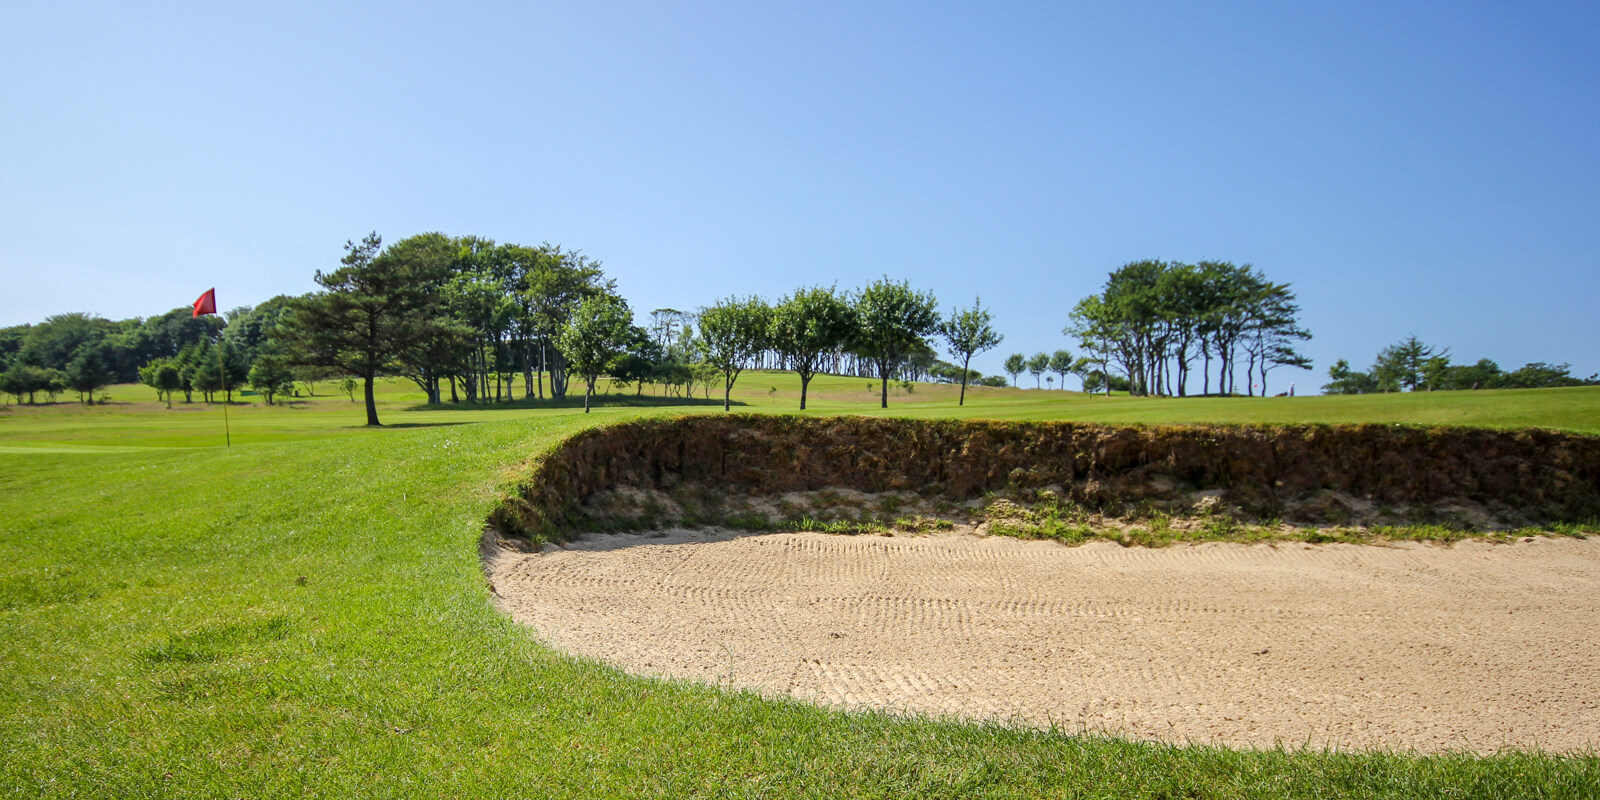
column 467, row 317
column 1413, row 365
column 1155, row 319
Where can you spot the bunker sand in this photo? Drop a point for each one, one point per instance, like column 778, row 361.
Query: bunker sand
column 1476, row 646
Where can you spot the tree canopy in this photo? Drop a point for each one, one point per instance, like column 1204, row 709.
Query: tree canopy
column 1154, row 319
column 891, row 321
column 732, row 333
column 808, row 324
column 969, row 332
column 594, row 335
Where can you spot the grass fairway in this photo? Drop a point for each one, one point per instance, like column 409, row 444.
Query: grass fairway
column 304, row 615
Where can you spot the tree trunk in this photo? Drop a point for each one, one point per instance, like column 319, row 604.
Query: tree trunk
column 805, row 381
column 372, row 402
column 964, row 363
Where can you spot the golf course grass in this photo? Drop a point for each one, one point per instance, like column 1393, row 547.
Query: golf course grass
column 304, row 614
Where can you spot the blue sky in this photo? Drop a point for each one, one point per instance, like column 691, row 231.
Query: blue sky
column 1408, row 168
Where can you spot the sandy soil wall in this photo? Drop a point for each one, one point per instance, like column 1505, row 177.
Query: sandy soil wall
column 1517, row 477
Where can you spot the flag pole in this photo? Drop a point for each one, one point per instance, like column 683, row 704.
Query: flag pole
column 222, row 370
column 207, row 305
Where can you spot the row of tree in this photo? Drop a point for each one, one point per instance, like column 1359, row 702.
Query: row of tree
column 1155, row 319
column 1413, row 365
column 885, row 325
column 470, row 314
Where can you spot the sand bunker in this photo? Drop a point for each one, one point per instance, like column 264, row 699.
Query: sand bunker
column 1477, row 646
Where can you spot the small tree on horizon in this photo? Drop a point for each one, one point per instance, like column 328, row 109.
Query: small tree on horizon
column 969, row 333
column 808, row 324
column 1015, row 365
column 1062, row 363
column 88, row 373
column 731, row 333
column 270, row 376
column 594, row 336
column 1037, row 366
column 892, row 321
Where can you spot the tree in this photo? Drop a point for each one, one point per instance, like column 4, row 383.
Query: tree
column 968, row 333
column 1403, row 363
column 593, row 337
column 552, row 286
column 1062, row 363
column 891, row 321
column 1037, row 366
column 88, row 372
column 211, row 371
column 1015, row 365
column 164, row 376
column 639, row 363
column 271, row 375
column 731, row 333
column 1343, row 380
column 808, row 324
column 27, row 379
column 373, row 309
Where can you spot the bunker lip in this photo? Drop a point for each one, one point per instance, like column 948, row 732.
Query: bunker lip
column 1475, row 647
column 699, row 469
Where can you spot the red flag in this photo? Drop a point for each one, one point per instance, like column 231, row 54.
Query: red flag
column 207, row 304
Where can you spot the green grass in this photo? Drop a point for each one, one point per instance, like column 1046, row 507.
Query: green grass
column 304, row 615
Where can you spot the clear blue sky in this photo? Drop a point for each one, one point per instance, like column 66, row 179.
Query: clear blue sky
column 1409, row 168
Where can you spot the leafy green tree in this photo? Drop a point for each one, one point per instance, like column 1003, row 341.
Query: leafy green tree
column 1540, row 375
column 807, row 325
column 1063, row 364
column 1343, row 380
column 1093, row 324
column 705, row 374
column 1037, row 365
column 88, row 373
column 168, row 379
column 1402, row 364
column 164, row 376
column 270, row 375
column 1015, row 365
column 57, row 341
column 210, row 373
column 733, row 332
column 639, row 363
column 968, row 332
column 552, row 284
column 1154, row 318
column 891, row 321
column 26, row 379
column 371, row 311
column 11, row 340
column 594, row 335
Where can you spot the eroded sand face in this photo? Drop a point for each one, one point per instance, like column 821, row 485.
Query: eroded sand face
column 1476, row 646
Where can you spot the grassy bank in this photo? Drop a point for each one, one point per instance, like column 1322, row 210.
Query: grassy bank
column 304, row 615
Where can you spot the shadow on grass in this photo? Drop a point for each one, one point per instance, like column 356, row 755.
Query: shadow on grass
column 576, row 402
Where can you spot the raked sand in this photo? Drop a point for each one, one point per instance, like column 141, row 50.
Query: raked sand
column 1475, row 646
